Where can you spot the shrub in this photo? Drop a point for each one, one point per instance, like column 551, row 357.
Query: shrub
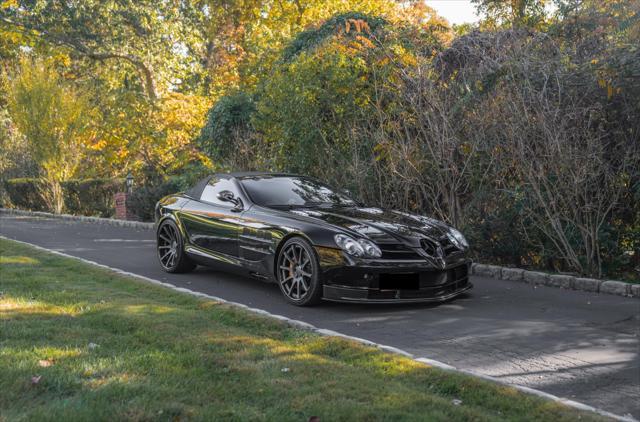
column 92, row 197
column 26, row 193
column 143, row 200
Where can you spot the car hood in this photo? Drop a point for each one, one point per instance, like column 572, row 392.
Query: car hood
column 377, row 224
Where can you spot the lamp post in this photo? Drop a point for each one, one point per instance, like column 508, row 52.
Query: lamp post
column 129, row 182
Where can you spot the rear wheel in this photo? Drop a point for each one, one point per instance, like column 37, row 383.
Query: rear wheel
column 298, row 273
column 171, row 249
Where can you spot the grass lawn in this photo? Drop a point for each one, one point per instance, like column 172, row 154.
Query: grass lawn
column 81, row 343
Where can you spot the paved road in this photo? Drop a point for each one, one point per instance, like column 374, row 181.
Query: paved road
column 577, row 345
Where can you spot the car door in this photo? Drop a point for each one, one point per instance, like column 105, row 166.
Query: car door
column 212, row 225
column 258, row 237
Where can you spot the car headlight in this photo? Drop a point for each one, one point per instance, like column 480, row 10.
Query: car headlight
column 359, row 248
column 370, row 249
column 458, row 238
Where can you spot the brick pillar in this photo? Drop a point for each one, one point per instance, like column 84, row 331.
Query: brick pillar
column 122, row 210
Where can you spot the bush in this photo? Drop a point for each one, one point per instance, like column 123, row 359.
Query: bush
column 93, row 197
column 143, row 200
column 26, row 193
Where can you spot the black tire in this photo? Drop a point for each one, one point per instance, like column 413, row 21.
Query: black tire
column 296, row 268
column 170, row 249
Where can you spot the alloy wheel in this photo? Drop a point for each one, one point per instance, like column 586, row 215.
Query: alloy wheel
column 168, row 246
column 295, row 271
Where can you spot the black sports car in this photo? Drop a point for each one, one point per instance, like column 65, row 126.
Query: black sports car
column 313, row 241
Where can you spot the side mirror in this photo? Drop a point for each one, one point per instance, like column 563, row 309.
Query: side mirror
column 227, row 196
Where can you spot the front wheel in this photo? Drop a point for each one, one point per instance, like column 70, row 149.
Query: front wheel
column 171, row 249
column 298, row 273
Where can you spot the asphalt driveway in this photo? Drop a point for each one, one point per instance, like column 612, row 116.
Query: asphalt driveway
column 578, row 345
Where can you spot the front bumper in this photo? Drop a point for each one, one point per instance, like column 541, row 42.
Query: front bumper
column 396, row 282
column 345, row 294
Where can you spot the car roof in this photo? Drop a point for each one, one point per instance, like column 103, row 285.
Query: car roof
column 196, row 190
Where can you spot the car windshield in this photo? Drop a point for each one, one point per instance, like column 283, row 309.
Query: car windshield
column 292, row 191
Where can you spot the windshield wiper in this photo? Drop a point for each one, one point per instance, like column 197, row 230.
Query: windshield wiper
column 311, row 204
column 328, row 204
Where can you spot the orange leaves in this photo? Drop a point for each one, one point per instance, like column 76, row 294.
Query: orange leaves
column 359, row 25
column 366, row 42
column 609, row 86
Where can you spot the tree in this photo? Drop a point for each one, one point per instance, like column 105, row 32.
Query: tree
column 512, row 13
column 243, row 38
column 152, row 140
column 54, row 116
column 15, row 160
column 228, row 134
column 149, row 36
column 326, row 82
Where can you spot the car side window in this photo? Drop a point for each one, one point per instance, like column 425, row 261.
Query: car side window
column 214, row 187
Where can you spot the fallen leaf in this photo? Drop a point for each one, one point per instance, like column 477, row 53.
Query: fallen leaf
column 45, row 363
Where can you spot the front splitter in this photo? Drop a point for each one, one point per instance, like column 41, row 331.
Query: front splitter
column 354, row 295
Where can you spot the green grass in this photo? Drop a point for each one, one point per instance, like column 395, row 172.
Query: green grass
column 163, row 355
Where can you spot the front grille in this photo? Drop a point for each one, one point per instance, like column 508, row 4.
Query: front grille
column 443, row 247
column 397, row 251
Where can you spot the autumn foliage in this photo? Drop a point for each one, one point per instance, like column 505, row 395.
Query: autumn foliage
column 522, row 130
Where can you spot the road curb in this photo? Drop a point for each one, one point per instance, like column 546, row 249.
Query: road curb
column 563, row 281
column 330, row 333
column 101, row 220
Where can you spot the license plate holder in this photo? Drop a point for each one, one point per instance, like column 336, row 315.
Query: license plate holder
column 402, row 281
